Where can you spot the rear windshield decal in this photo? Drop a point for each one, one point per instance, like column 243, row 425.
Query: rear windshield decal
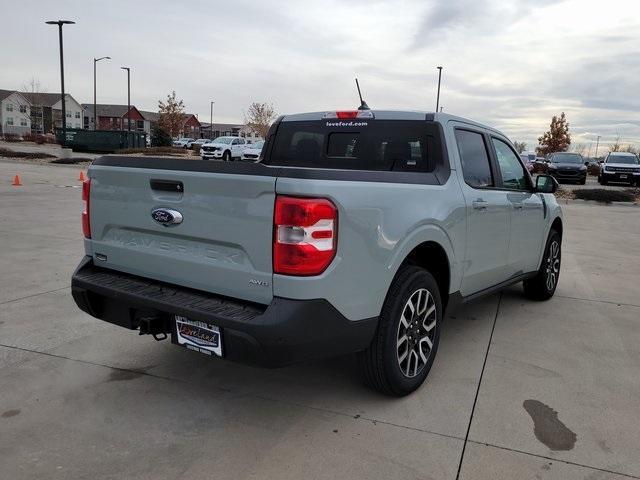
column 347, row 124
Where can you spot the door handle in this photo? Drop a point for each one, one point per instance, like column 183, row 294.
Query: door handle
column 166, row 185
column 480, row 204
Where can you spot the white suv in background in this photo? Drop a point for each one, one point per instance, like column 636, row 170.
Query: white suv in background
column 226, row 148
column 620, row 167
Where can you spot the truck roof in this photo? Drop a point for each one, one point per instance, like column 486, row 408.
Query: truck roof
column 439, row 117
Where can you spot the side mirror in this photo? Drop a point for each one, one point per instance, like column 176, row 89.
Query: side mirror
column 546, row 184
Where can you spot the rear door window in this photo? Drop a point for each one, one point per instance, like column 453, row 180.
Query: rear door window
column 391, row 145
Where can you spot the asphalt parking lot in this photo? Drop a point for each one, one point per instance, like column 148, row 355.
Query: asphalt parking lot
column 518, row 390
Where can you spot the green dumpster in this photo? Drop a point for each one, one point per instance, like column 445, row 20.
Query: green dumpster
column 102, row 141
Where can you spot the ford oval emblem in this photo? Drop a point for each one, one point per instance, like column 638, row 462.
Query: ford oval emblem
column 166, row 216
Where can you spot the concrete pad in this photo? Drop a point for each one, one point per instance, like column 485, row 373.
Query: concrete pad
column 49, row 209
column 482, row 462
column 11, row 356
column 600, row 259
column 40, row 232
column 577, row 363
column 66, row 419
column 440, row 406
column 43, row 322
column 32, row 265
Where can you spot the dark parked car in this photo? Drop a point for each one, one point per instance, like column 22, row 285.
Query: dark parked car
column 567, row 167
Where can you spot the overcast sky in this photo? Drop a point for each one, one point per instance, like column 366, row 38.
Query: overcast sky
column 511, row 64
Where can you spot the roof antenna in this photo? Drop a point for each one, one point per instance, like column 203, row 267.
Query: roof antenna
column 363, row 104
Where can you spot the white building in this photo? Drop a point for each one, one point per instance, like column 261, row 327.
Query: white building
column 49, row 108
column 15, row 113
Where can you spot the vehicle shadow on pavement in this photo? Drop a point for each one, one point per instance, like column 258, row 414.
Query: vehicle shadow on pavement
column 439, row 406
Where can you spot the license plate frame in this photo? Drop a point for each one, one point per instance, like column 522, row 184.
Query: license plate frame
column 623, row 176
column 198, row 336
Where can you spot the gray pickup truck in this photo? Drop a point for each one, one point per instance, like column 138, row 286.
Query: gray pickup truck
column 353, row 232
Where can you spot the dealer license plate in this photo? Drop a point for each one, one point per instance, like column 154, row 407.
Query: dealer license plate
column 199, row 336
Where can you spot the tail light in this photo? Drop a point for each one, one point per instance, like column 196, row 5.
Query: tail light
column 349, row 114
column 305, row 235
column 86, row 225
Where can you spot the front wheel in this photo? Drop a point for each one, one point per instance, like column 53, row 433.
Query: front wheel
column 226, row 156
column 404, row 347
column 543, row 285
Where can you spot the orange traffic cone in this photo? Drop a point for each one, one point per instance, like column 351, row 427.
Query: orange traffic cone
column 16, row 181
column 81, row 177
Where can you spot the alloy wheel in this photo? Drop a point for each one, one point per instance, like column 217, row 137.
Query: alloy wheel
column 553, row 265
column 416, row 332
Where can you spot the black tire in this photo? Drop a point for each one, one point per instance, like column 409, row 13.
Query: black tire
column 544, row 284
column 226, row 156
column 603, row 182
column 381, row 364
column 583, row 181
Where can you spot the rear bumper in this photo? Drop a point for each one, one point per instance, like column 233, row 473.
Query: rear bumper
column 285, row 331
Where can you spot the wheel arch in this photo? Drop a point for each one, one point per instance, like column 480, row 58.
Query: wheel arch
column 430, row 247
column 557, row 225
column 431, row 256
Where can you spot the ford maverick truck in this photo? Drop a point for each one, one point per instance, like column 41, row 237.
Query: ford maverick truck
column 353, row 233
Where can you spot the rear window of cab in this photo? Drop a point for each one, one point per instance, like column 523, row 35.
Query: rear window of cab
column 383, row 145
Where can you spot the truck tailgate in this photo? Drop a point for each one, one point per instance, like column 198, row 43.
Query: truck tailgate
column 223, row 244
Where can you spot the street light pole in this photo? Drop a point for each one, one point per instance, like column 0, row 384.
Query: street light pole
column 597, row 143
column 128, row 96
column 95, row 115
column 439, row 79
column 60, row 23
column 211, row 124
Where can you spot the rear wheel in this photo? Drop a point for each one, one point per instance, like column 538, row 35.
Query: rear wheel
column 405, row 344
column 543, row 285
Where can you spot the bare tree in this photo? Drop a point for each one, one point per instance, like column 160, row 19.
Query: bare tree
column 615, row 146
column 631, row 149
column 580, row 148
column 171, row 112
column 520, row 146
column 259, row 117
column 33, row 92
